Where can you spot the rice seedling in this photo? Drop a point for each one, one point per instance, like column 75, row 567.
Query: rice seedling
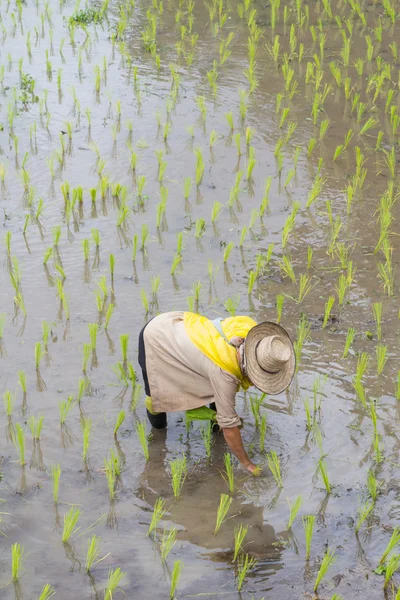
column 275, row 467
column 243, row 104
column 253, row 218
column 120, row 419
column 200, row 166
column 17, row 561
column 245, row 564
column 328, row 560
column 87, row 351
column 227, row 251
column 263, row 431
column 377, row 312
column 287, row 268
column 305, row 288
column 369, row 124
column 265, row 199
column 216, row 211
column 391, row 567
column 111, row 476
column 65, row 407
column 20, row 304
column 303, row 332
column 328, row 307
column 324, row 475
column 289, row 224
column 145, row 301
column 177, row 261
column 23, row 384
column 310, row 420
column 187, row 187
column 323, row 128
column 109, row 313
column 168, row 542
column 205, row 433
column 251, row 163
column 372, row 485
column 310, row 148
column 178, row 473
column 229, row 472
column 124, row 342
column 223, row 508
column 9, row 399
column 393, row 542
column 201, row 103
column 86, row 431
column 294, row 509
column 351, row 332
column 55, row 474
column 158, row 514
column 397, row 392
column 362, row 365
column 363, row 513
column 93, row 330
column 47, row 255
column 229, row 118
column 39, row 354
column 381, row 358
column 144, row 236
column 255, row 403
column 71, row 518
column 47, row 592
column 308, row 524
column 316, row 190
column 341, row 289
column 378, row 456
column 115, row 576
column 251, row 282
column 142, row 435
column 19, row 443
column 36, row 426
column 240, row 533
column 280, row 299
column 175, row 576
column 231, row 305
column 92, row 553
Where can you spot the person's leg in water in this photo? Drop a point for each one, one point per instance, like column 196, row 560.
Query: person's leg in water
column 157, row 420
column 215, row 426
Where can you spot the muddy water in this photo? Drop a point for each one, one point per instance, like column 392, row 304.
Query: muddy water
column 31, row 517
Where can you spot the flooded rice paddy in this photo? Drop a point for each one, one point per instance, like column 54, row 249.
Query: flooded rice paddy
column 220, row 157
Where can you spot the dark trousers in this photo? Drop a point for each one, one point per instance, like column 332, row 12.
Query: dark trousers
column 158, row 421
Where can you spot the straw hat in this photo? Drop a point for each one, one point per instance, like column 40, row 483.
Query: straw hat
column 270, row 358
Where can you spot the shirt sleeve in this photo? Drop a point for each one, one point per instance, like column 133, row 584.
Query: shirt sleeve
column 225, row 387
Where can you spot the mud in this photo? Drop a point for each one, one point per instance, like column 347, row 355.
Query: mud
column 30, row 516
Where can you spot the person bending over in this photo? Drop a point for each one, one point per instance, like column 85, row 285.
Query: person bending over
column 189, row 361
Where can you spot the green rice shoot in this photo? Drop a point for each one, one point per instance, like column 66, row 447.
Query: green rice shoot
column 142, row 436
column 240, row 533
column 223, row 508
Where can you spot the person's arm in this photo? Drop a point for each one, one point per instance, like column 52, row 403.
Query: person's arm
column 225, row 387
column 233, row 438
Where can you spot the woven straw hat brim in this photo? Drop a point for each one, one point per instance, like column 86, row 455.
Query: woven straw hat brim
column 269, row 383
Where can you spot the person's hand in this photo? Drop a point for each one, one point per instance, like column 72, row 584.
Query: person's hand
column 254, row 469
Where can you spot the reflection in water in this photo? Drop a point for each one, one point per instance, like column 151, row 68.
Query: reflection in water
column 195, row 512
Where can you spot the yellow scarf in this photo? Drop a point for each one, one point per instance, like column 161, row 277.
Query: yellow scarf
column 205, row 336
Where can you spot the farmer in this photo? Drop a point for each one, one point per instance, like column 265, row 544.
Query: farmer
column 189, row 361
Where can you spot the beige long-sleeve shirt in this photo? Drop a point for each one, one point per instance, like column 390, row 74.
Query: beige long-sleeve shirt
column 181, row 377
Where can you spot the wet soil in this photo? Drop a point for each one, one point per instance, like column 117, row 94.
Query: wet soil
column 129, row 78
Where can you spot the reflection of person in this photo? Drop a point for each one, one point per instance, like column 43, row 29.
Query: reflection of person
column 194, row 513
column 189, row 361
